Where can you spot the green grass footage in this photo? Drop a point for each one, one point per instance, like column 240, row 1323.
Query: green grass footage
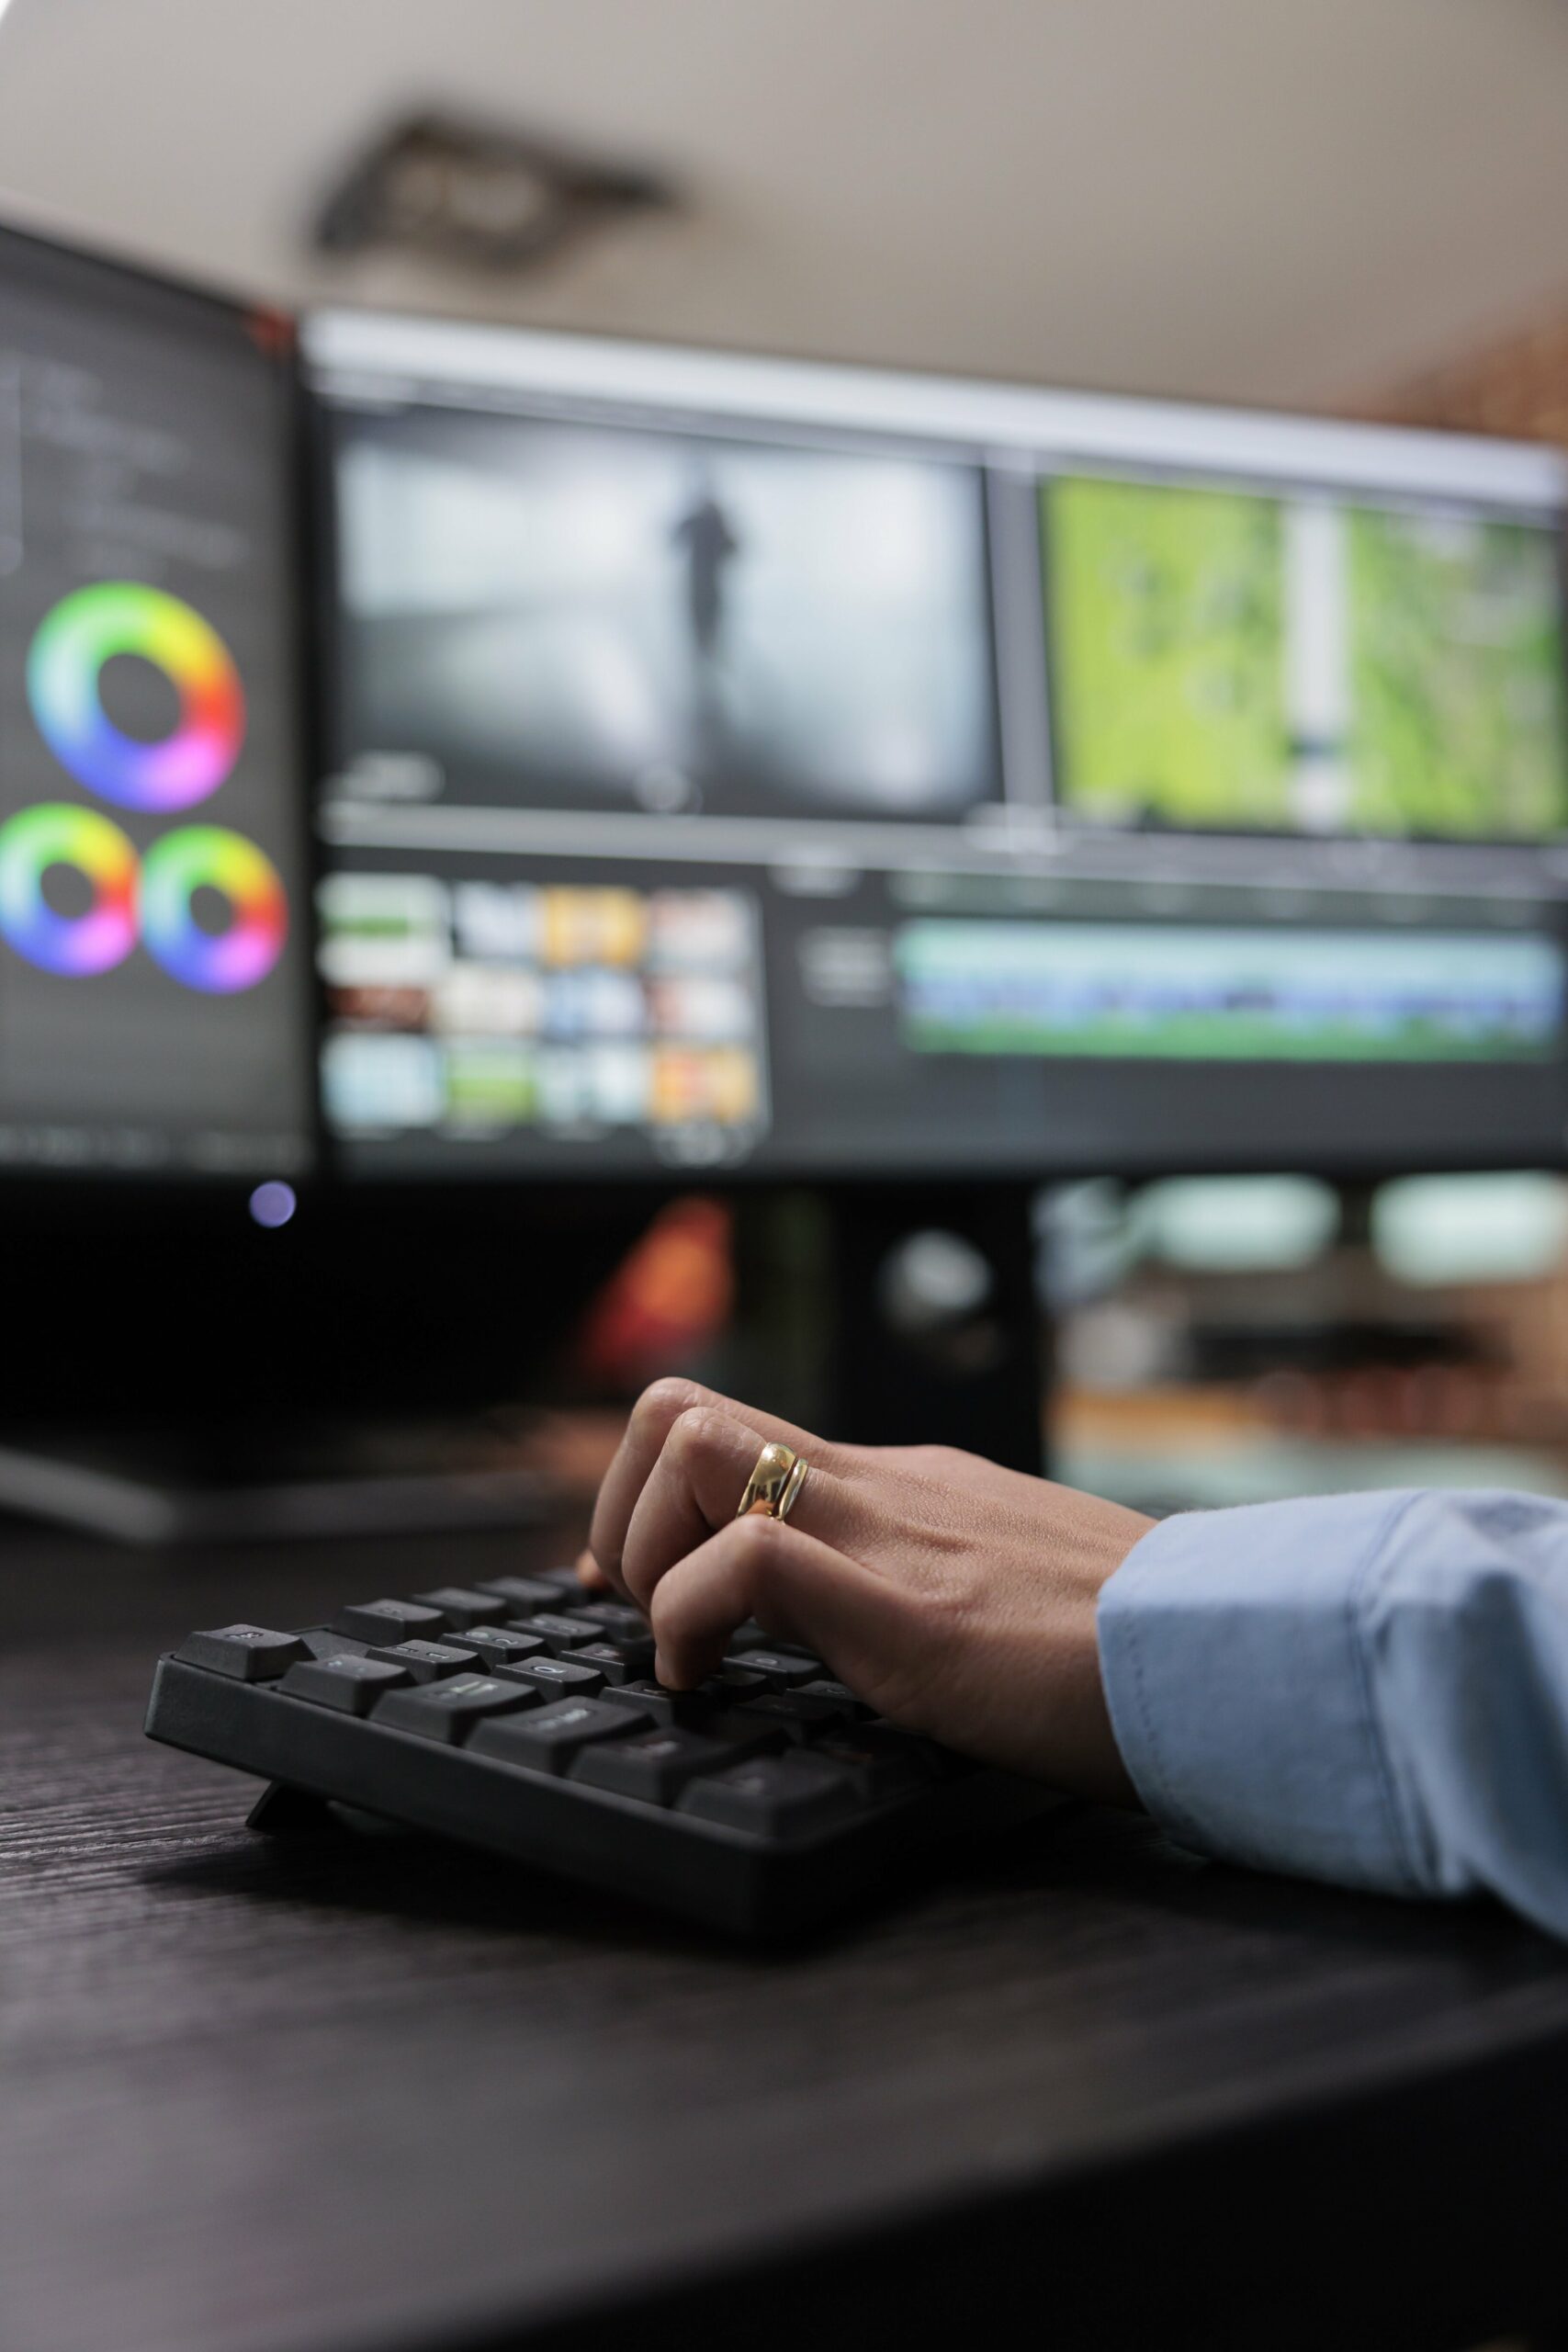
column 1169, row 621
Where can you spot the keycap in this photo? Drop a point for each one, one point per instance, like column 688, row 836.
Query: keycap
column 555, row 1674
column 449, row 1709
column 712, row 1710
column 561, row 1580
column 250, row 1653
column 322, row 1641
column 390, row 1620
column 546, row 1741
column 560, row 1630
column 425, row 1661
column 879, row 1762
column 640, row 1652
column 693, row 1709
column 462, row 1609
column 782, row 1669
column 618, row 1617
column 351, row 1684
column 502, row 1645
column 613, row 1660
column 841, row 1694
column 800, row 1711
column 744, row 1730
column 652, row 1765
column 752, row 1636
column 522, row 1595
column 652, row 1697
column 937, row 1762
column 776, row 1796
column 737, row 1680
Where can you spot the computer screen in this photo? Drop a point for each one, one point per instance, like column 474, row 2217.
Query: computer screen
column 752, row 766
column 155, row 983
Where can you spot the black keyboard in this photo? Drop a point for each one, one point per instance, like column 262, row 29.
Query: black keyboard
column 521, row 1716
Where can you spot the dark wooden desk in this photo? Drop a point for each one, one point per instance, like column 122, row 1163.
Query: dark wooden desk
column 337, row 2095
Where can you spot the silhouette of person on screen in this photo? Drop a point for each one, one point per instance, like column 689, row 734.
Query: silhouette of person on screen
column 709, row 544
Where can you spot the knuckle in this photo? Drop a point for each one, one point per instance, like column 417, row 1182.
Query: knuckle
column 695, row 1432
column 941, row 1460
column 662, row 1403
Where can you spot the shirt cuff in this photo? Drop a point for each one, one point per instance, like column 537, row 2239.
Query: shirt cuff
column 1232, row 1657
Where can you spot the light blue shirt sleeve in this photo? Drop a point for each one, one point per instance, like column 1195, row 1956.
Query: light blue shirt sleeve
column 1371, row 1689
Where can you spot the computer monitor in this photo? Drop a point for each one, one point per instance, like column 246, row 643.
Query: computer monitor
column 156, row 991
column 795, row 771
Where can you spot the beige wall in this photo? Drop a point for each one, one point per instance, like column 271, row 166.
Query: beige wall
column 1285, row 200
column 1514, row 384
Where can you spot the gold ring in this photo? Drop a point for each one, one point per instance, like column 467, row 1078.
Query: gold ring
column 775, row 1483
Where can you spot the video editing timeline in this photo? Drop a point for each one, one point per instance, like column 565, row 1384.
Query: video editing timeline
column 1197, row 992
column 154, row 993
column 1007, row 808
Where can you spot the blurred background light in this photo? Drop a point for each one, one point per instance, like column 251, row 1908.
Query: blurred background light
column 933, row 1279
column 1441, row 1229
column 273, row 1203
column 1238, row 1224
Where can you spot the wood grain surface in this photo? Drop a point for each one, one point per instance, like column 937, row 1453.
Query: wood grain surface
column 331, row 2094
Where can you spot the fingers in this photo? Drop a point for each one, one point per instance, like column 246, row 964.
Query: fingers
column 590, row 1574
column 695, row 1485
column 691, row 1489
column 653, row 1416
column 797, row 1587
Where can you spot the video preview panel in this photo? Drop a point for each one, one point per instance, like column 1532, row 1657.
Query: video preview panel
column 583, row 617
column 1231, row 662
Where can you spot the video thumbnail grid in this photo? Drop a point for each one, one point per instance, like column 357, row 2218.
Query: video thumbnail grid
column 480, row 1009
column 1190, row 992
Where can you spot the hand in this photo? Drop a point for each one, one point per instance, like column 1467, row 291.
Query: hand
column 954, row 1597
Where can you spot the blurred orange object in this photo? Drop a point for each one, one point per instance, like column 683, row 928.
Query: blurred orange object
column 668, row 1298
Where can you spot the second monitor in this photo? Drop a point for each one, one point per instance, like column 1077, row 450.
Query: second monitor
column 809, row 772
column 155, row 983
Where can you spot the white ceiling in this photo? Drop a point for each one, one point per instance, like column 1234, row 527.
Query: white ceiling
column 1286, row 200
